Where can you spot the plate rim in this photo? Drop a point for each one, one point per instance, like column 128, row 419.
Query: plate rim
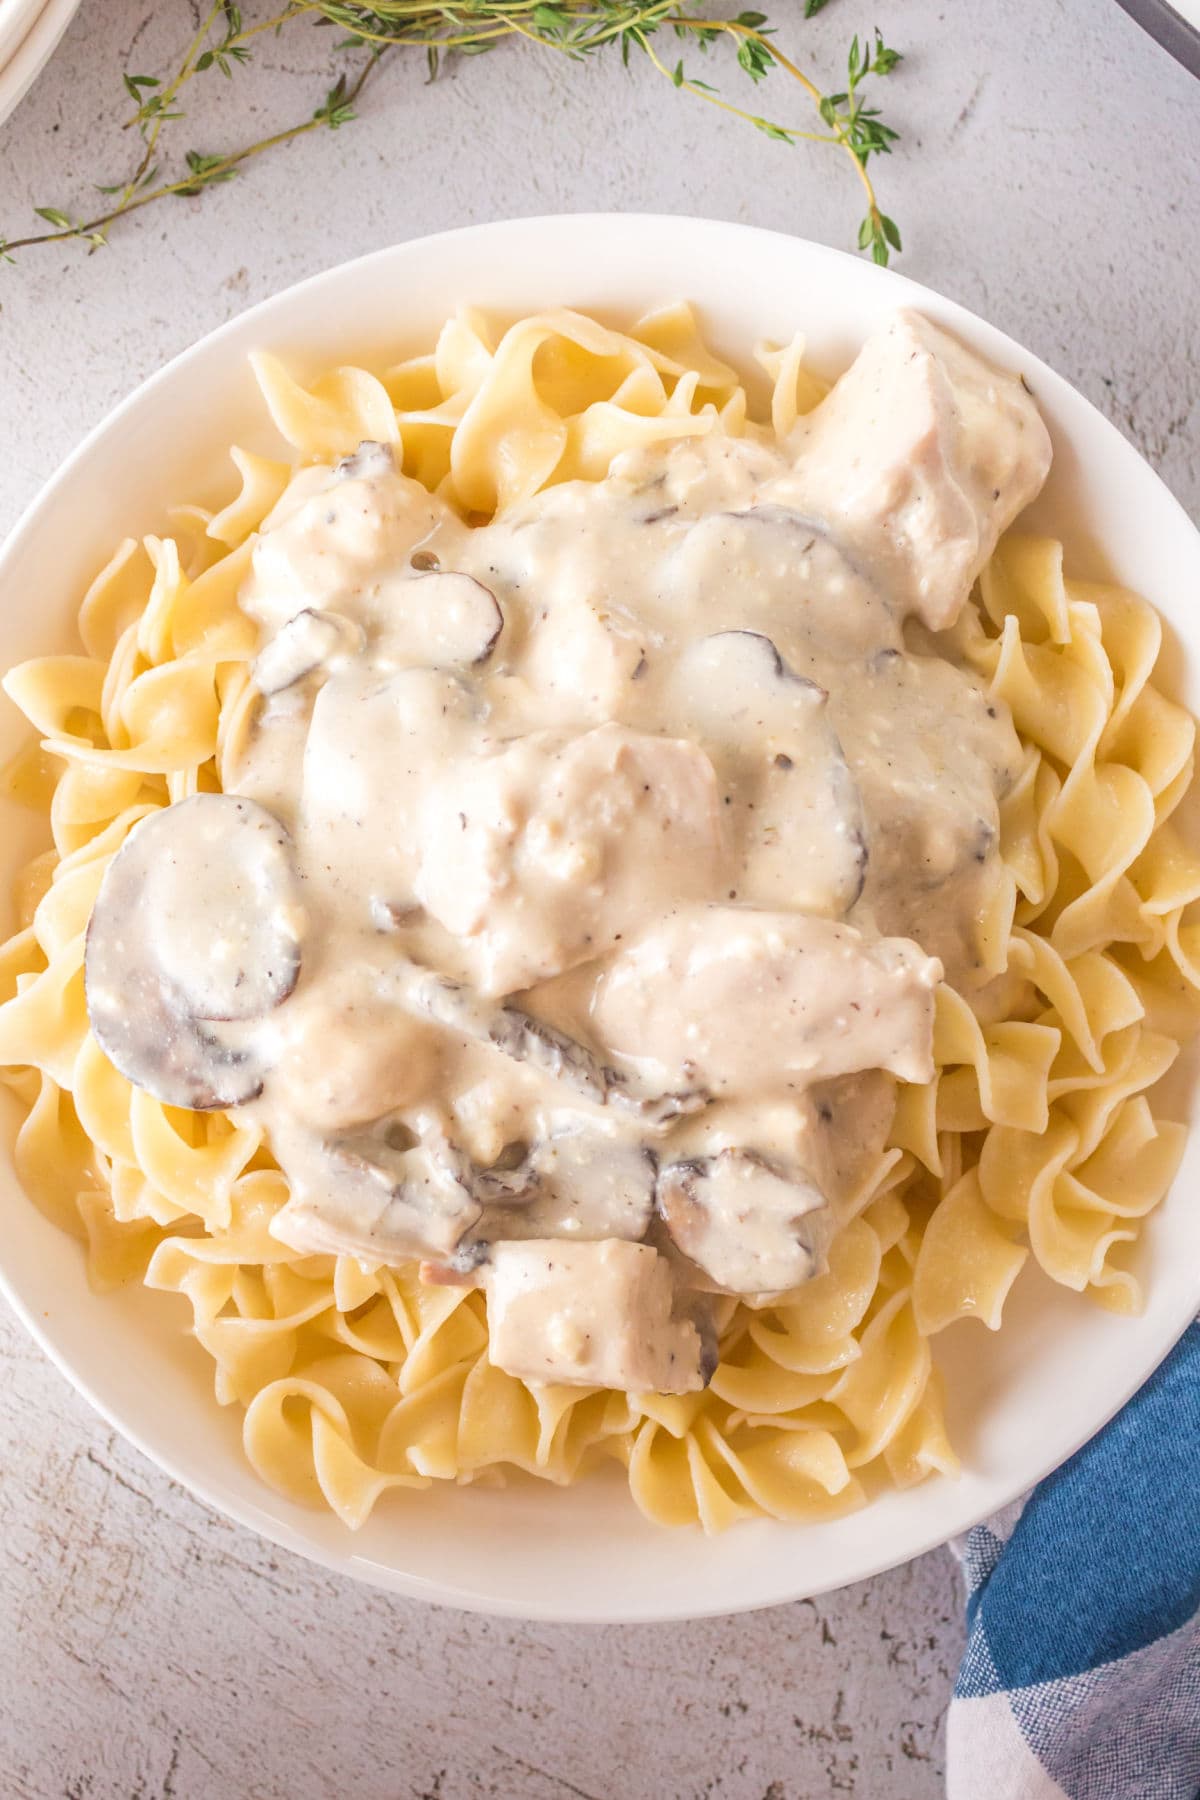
column 15, row 27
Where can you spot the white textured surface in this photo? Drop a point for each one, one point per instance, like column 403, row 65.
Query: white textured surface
column 1051, row 179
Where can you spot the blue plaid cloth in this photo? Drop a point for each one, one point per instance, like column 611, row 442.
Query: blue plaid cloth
column 1081, row 1679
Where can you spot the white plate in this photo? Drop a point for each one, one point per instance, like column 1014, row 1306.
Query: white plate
column 29, row 33
column 16, row 17
column 1019, row 1403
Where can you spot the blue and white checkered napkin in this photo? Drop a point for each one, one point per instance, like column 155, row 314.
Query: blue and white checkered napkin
column 1081, row 1679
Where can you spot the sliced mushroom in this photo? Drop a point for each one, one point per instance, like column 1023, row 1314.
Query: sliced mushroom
column 751, row 1228
column 576, row 1184
column 373, row 1200
column 750, row 665
column 197, row 926
column 515, row 1034
column 310, row 640
column 367, row 463
column 591, row 1315
column 657, row 1111
column 776, row 567
column 526, row 1039
column 444, row 619
column 796, row 807
column 932, row 816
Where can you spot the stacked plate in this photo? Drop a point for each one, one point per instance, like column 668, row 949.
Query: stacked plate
column 1176, row 26
column 29, row 30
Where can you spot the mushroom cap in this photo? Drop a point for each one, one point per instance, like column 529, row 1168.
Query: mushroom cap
column 195, row 934
column 527, row 1039
column 310, row 640
column 766, row 563
column 448, row 619
column 577, row 1183
column 366, row 1196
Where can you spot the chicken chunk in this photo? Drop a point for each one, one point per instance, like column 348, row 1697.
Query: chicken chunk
column 920, row 457
column 591, row 1315
column 343, row 1065
column 580, row 658
column 536, row 855
column 745, row 1002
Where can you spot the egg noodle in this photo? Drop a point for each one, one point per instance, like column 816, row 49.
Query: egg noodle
column 1034, row 1138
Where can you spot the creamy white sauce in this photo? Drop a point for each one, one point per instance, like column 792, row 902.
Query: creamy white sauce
column 606, row 817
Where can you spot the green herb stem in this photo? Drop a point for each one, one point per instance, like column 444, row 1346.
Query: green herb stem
column 576, row 28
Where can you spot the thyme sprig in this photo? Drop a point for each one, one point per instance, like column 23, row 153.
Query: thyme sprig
column 456, row 28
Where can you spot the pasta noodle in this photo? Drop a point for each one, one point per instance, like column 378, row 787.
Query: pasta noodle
column 1035, row 1138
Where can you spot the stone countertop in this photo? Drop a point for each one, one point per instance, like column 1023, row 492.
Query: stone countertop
column 1049, row 178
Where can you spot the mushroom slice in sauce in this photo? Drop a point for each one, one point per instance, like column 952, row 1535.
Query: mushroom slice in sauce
column 514, row 1033
column 755, row 1003
column 196, row 928
column 310, row 640
column 376, row 1201
column 933, row 750
column 445, row 619
column 527, row 1039
column 751, row 1228
column 770, row 567
column 796, row 807
column 578, row 1184
column 591, row 1315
